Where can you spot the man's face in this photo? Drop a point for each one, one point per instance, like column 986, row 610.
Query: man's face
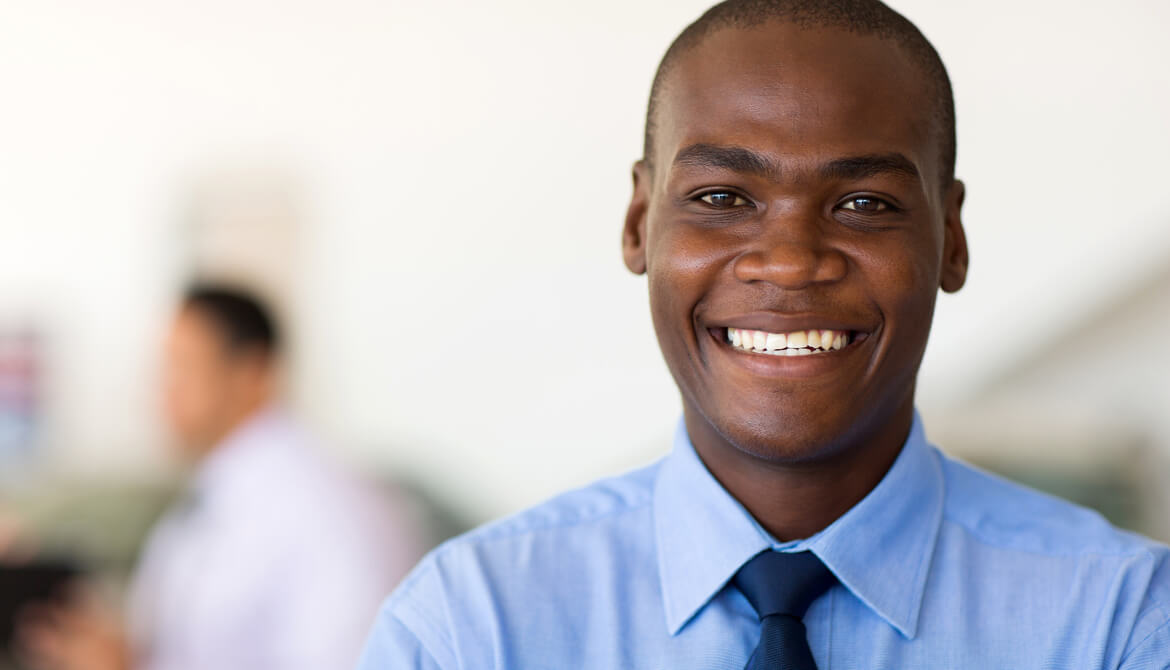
column 794, row 197
column 203, row 382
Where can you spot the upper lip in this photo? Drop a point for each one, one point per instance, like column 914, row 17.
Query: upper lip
column 777, row 322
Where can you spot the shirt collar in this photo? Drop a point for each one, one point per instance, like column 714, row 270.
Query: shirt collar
column 880, row 549
column 228, row 460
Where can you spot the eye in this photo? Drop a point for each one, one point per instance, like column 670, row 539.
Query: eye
column 865, row 204
column 723, row 199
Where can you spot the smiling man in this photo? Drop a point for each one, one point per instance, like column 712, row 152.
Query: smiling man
column 796, row 214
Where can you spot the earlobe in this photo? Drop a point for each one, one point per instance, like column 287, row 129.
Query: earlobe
column 634, row 231
column 955, row 257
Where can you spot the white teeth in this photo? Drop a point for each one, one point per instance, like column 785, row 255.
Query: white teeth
column 797, row 343
column 776, row 341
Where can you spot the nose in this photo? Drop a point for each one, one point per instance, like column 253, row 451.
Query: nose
column 791, row 253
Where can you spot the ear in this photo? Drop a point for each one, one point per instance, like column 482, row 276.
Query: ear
column 254, row 372
column 954, row 258
column 634, row 232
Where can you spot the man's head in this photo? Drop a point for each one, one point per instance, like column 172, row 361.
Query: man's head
column 797, row 177
column 220, row 365
column 861, row 17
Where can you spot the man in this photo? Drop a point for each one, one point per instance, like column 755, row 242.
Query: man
column 274, row 558
column 795, row 212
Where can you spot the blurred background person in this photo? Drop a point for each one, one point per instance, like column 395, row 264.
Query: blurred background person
column 273, row 557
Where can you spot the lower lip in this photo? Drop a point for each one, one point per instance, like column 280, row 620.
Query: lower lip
column 811, row 365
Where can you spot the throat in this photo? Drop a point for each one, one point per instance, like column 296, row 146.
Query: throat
column 795, row 500
column 793, row 506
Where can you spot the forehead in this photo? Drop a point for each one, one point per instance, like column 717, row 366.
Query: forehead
column 797, row 94
column 191, row 329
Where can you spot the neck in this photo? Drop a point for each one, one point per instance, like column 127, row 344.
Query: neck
column 797, row 500
column 240, row 415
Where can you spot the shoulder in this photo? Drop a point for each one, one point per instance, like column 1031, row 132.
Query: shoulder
column 1003, row 513
column 601, row 503
column 1061, row 542
column 555, row 551
column 600, row 510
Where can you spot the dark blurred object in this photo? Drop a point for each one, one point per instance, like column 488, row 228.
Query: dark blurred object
column 42, row 581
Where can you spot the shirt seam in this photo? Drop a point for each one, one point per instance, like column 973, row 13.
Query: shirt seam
column 403, row 597
column 1164, row 626
column 437, row 632
column 408, row 583
column 504, row 530
column 1136, row 552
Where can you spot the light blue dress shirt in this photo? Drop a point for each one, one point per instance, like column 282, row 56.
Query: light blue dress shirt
column 940, row 567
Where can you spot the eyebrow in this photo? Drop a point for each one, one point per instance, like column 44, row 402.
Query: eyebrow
column 736, row 159
column 870, row 165
column 748, row 161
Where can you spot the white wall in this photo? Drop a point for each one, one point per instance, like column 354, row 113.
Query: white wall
column 464, row 311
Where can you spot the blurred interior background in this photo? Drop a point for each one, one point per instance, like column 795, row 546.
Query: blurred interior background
column 431, row 193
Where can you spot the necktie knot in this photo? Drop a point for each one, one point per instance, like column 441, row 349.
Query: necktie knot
column 783, row 583
column 781, row 587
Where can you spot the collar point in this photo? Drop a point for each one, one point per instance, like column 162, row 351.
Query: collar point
column 907, row 628
column 676, row 622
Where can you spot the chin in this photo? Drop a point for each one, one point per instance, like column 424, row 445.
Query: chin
column 780, row 443
column 788, row 433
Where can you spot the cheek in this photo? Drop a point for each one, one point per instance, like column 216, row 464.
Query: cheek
column 682, row 266
column 903, row 275
column 191, row 400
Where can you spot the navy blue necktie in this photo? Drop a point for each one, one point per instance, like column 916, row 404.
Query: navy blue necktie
column 781, row 587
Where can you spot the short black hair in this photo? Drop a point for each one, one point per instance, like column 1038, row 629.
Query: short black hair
column 241, row 318
column 862, row 17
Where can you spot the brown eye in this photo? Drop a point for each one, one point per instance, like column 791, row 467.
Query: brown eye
column 723, row 199
column 865, row 204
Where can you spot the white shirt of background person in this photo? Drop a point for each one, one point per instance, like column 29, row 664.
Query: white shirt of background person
column 276, row 559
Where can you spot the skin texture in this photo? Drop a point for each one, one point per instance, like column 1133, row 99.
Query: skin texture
column 795, row 185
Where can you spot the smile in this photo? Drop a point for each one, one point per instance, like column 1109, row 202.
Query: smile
column 796, row 343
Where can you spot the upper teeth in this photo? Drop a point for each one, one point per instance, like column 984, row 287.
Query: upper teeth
column 798, row 343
